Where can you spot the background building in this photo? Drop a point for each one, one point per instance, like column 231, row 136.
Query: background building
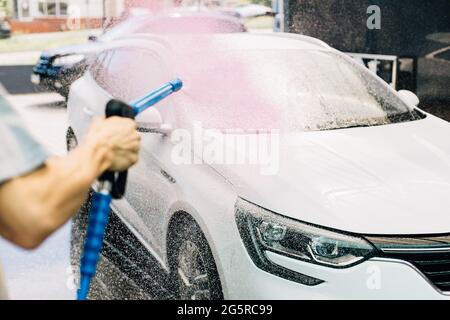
column 28, row 16
column 5, row 8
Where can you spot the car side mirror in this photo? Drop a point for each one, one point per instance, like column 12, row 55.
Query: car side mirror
column 409, row 97
column 93, row 38
column 151, row 121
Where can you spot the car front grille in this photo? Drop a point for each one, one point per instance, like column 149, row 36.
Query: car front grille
column 430, row 255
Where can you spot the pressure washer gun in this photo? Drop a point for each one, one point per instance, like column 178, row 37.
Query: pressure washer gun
column 112, row 185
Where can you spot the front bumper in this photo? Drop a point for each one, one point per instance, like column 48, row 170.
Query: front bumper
column 45, row 76
column 56, row 79
column 59, row 81
column 376, row 278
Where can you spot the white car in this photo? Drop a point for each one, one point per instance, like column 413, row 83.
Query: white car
column 351, row 200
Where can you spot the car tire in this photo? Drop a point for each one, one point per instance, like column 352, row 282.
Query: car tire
column 65, row 94
column 194, row 273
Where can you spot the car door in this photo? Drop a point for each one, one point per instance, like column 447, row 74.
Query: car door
column 150, row 190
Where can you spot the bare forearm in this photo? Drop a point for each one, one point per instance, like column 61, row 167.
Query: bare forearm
column 34, row 206
column 47, row 198
column 69, row 181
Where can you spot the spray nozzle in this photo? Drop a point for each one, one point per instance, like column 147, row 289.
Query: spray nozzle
column 156, row 96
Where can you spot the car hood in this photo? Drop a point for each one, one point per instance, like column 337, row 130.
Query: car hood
column 86, row 48
column 391, row 179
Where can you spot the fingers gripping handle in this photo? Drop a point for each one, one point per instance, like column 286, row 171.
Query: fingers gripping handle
column 119, row 109
column 118, row 180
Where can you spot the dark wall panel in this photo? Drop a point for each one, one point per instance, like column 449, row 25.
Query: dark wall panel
column 406, row 26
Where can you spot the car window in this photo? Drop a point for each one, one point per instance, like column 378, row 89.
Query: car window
column 149, row 74
column 126, row 27
column 117, row 76
column 99, row 68
column 290, row 90
column 131, row 73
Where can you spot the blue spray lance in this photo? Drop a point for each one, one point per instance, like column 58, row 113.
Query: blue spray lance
column 112, row 186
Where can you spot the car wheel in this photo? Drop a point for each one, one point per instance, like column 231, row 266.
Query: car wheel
column 194, row 270
column 65, row 94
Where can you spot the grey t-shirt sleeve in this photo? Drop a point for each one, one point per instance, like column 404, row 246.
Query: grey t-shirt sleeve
column 19, row 152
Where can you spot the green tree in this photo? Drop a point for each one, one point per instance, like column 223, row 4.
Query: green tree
column 4, row 7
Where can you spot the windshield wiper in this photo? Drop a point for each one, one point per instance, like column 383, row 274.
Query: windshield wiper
column 412, row 115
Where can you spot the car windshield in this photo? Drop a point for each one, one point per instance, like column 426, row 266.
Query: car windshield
column 191, row 25
column 122, row 29
column 291, row 90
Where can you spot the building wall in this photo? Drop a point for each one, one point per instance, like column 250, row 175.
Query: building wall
column 5, row 8
column 27, row 16
column 59, row 15
column 342, row 24
column 405, row 25
column 153, row 5
column 53, row 25
column 413, row 30
column 114, row 8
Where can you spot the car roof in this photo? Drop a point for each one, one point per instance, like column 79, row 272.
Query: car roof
column 188, row 14
column 236, row 41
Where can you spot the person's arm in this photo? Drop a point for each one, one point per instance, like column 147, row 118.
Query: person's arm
column 35, row 205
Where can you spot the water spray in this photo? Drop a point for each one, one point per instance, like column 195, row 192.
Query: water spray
column 112, row 185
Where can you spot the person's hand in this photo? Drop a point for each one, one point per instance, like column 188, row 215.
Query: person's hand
column 119, row 139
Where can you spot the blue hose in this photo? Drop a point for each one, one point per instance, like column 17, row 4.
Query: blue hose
column 101, row 201
column 98, row 220
column 156, row 96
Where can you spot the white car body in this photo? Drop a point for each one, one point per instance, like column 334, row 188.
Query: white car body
column 387, row 180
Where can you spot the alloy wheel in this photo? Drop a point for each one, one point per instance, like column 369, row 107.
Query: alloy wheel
column 193, row 278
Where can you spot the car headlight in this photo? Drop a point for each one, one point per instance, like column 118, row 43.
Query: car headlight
column 68, row 60
column 263, row 230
